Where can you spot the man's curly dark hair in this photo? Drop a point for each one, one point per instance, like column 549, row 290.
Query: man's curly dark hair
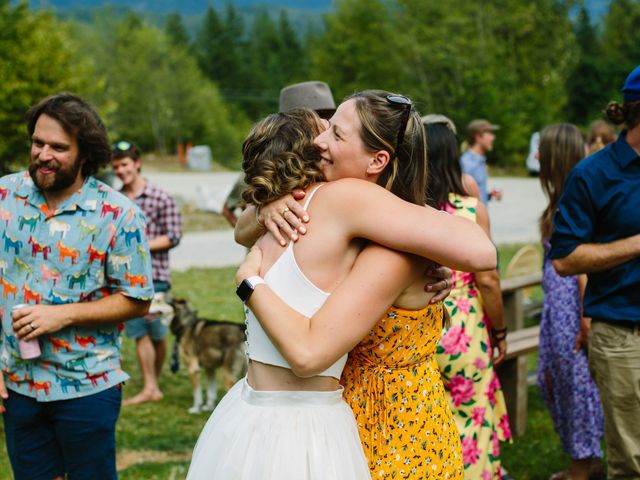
column 79, row 119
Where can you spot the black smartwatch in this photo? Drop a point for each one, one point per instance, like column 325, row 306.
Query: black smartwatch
column 245, row 289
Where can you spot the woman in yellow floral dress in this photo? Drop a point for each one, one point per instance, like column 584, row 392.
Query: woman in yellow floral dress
column 393, row 384
column 465, row 352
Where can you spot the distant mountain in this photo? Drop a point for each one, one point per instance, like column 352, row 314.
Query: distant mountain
column 189, row 8
column 303, row 15
column 183, row 7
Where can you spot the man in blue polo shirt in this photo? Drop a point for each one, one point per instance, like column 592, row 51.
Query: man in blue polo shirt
column 597, row 231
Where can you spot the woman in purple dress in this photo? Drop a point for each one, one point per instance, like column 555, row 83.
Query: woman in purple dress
column 563, row 372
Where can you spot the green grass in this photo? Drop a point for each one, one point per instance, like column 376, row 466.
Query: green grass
column 211, row 290
column 166, row 429
column 538, row 453
column 194, row 220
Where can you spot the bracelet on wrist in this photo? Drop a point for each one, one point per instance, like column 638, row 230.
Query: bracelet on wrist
column 499, row 333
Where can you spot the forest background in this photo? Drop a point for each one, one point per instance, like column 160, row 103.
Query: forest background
column 163, row 79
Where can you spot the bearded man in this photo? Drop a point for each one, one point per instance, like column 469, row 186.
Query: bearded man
column 73, row 269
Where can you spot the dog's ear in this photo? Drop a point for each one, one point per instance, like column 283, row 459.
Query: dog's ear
column 178, row 301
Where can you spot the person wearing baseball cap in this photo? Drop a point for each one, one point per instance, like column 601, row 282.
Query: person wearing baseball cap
column 313, row 94
column 631, row 88
column 597, row 232
column 480, row 135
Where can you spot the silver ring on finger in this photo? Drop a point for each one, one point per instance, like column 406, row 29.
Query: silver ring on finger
column 446, row 283
column 33, row 327
column 286, row 209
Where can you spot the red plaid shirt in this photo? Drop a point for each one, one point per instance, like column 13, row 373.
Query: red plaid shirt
column 163, row 218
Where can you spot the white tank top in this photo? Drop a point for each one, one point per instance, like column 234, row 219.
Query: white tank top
column 288, row 282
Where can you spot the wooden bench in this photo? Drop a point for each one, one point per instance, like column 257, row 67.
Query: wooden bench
column 520, row 341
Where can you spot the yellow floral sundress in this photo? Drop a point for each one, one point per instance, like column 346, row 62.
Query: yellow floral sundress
column 392, row 383
column 464, row 357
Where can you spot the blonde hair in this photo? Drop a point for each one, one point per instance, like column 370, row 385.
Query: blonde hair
column 600, row 135
column 279, row 155
column 406, row 174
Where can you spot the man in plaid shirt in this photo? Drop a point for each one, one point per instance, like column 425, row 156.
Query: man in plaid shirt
column 164, row 230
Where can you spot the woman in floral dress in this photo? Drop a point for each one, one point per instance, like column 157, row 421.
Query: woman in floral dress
column 392, row 383
column 465, row 353
column 568, row 390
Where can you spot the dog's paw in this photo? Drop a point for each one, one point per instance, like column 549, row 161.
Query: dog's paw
column 194, row 410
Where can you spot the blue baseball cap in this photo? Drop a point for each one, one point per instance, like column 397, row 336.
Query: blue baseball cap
column 631, row 87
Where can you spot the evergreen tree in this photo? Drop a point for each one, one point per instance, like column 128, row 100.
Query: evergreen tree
column 360, row 49
column 294, row 58
column 175, row 31
column 275, row 58
column 587, row 86
column 162, row 98
column 621, row 43
column 266, row 74
column 208, row 44
column 220, row 52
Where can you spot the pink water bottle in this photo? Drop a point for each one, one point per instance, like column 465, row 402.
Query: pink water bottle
column 28, row 348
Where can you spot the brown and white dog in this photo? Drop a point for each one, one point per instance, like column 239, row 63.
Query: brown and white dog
column 207, row 344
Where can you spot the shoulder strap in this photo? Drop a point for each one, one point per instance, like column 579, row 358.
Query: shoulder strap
column 310, row 196
column 306, row 204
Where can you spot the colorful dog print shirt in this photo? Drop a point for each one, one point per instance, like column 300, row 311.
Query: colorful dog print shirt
column 93, row 245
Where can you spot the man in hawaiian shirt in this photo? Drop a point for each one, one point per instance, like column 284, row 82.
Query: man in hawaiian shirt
column 75, row 252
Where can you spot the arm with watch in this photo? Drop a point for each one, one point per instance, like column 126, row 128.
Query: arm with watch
column 312, row 344
column 247, row 286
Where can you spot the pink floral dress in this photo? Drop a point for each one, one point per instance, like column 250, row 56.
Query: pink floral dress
column 464, row 357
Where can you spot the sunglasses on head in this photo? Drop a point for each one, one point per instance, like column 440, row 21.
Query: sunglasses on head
column 405, row 103
column 122, row 146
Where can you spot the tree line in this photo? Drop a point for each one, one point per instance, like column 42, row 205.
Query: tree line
column 522, row 65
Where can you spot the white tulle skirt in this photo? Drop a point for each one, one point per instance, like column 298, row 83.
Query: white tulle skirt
column 260, row 435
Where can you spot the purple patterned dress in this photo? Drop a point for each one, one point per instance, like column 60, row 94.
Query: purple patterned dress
column 563, row 375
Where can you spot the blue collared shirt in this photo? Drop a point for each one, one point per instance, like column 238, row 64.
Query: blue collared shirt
column 92, row 245
column 600, row 204
column 474, row 164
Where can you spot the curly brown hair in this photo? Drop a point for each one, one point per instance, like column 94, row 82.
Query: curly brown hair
column 79, row 119
column 278, row 155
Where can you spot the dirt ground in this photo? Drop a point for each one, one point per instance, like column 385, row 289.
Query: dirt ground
column 126, row 458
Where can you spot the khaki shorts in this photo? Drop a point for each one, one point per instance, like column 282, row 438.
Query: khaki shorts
column 614, row 361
